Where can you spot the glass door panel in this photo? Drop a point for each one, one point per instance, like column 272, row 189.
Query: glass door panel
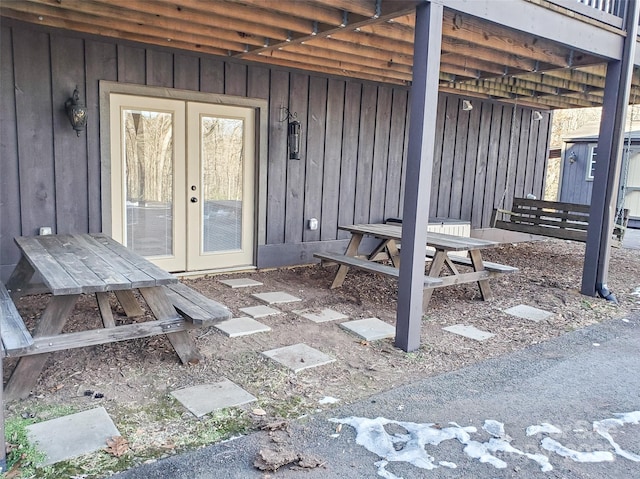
column 221, row 174
column 222, row 155
column 149, row 192
column 148, row 147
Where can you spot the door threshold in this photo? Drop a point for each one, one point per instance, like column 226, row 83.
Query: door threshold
column 205, row 272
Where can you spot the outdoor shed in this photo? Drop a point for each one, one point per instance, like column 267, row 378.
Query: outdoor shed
column 580, row 151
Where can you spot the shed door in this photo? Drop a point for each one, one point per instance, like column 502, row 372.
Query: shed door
column 632, row 190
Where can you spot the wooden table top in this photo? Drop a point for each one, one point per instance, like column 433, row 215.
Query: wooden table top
column 74, row 264
column 437, row 240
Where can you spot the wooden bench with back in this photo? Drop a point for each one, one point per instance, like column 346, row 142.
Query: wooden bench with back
column 554, row 219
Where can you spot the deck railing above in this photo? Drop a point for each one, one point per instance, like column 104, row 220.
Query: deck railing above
column 612, row 7
column 610, row 12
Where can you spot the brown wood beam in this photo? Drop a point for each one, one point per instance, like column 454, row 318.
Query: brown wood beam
column 464, row 27
column 465, row 48
column 126, row 29
column 201, row 18
column 323, row 57
column 375, row 41
column 111, row 33
column 286, row 63
column 335, row 45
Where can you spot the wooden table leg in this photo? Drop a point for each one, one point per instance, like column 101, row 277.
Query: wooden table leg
column 434, row 271
column 352, row 250
column 20, row 277
column 105, row 310
column 162, row 308
column 25, row 375
column 394, row 254
column 129, row 303
column 483, row 284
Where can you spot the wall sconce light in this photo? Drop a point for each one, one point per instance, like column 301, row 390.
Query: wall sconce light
column 294, row 140
column 466, row 105
column 573, row 157
column 293, row 133
column 76, row 111
column 536, row 116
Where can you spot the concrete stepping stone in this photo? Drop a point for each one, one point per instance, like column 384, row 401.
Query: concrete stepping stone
column 370, row 329
column 241, row 326
column 240, row 282
column 72, row 436
column 470, row 332
column 276, row 297
column 529, row 312
column 298, row 357
column 320, row 316
column 260, row 311
column 206, row 398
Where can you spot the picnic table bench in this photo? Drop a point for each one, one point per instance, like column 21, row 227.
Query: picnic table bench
column 71, row 265
column 551, row 218
column 443, row 244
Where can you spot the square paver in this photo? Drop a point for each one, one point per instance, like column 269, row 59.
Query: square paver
column 298, row 357
column 205, row 398
column 470, row 332
column 241, row 326
column 276, row 297
column 72, row 436
column 370, row 329
column 528, row 312
column 260, row 311
column 240, row 282
column 320, row 316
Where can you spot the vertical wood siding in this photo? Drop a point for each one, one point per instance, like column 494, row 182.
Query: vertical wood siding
column 352, row 151
column 575, row 187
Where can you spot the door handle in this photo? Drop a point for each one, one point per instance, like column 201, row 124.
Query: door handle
column 194, row 199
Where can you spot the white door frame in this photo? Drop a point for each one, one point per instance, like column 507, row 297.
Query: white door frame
column 260, row 107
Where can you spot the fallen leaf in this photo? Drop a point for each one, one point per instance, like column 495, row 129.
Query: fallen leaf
column 168, row 444
column 117, row 446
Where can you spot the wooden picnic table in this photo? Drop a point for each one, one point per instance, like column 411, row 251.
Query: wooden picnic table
column 71, row 265
column 388, row 248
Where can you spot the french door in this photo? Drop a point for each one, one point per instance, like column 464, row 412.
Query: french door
column 182, row 180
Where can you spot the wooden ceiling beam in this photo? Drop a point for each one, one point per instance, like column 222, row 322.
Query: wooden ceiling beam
column 286, row 63
column 327, row 50
column 375, row 41
column 310, row 11
column 367, row 8
column 502, row 96
column 101, row 24
column 111, row 33
column 464, row 48
column 185, row 16
column 334, row 44
column 319, row 57
column 485, row 68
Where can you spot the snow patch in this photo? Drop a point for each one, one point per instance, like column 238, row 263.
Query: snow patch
column 603, row 428
column 577, row 456
column 545, row 427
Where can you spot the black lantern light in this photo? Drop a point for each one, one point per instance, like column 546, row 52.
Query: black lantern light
column 294, row 140
column 76, row 111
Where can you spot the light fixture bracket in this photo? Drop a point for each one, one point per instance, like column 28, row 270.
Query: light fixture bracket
column 76, row 111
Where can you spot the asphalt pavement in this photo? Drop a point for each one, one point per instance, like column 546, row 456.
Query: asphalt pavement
column 581, row 378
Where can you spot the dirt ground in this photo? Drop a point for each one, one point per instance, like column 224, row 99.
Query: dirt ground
column 136, row 376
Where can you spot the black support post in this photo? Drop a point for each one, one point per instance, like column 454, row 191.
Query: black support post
column 420, row 151
column 607, row 171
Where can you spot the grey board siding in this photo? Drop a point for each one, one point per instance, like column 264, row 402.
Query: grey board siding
column 354, row 137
